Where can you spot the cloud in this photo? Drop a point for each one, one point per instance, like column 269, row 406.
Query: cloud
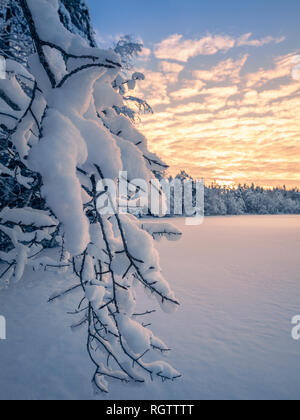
column 283, row 91
column 190, row 88
column 145, row 54
column 172, row 70
column 246, row 131
column 245, row 40
column 196, row 87
column 226, row 70
column 156, row 85
column 282, row 67
column 175, row 47
column 154, row 88
column 107, row 41
column 168, row 67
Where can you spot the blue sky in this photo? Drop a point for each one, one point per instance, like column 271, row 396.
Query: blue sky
column 156, row 19
column 218, row 75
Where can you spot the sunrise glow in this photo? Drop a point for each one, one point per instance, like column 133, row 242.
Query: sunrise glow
column 225, row 88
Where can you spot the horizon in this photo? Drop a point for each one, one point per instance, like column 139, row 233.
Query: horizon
column 224, row 84
column 234, row 185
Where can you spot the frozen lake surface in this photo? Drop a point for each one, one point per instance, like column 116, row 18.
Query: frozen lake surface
column 238, row 280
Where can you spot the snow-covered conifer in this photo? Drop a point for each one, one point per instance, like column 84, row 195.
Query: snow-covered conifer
column 63, row 140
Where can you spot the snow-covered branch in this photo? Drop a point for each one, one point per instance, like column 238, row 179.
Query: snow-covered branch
column 62, row 140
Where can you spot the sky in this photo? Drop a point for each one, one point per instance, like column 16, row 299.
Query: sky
column 223, row 78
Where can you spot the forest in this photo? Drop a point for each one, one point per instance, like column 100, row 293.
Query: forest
column 245, row 199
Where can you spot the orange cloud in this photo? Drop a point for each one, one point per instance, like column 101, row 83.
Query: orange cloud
column 226, row 70
column 282, row 67
column 189, row 89
column 246, row 129
column 245, row 40
column 176, row 48
column 154, row 88
column 172, row 70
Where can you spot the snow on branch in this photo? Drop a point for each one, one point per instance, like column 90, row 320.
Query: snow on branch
column 160, row 230
column 68, row 136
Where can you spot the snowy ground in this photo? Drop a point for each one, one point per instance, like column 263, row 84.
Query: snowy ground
column 238, row 282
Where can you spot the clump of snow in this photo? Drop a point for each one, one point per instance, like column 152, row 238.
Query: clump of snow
column 126, row 301
column 24, row 181
column 95, row 294
column 138, row 338
column 162, row 230
column 57, row 161
column 28, row 216
column 71, row 135
column 163, row 369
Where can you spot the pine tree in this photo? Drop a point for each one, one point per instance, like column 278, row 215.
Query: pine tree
column 67, row 139
column 15, row 40
column 74, row 14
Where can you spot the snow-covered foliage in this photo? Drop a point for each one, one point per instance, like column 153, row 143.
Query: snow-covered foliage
column 74, row 14
column 61, row 141
column 16, row 41
column 159, row 231
column 128, row 49
column 242, row 199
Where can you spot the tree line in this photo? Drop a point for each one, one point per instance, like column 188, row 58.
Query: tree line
column 247, row 199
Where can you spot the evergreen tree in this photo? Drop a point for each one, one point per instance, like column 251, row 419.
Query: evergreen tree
column 62, row 139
